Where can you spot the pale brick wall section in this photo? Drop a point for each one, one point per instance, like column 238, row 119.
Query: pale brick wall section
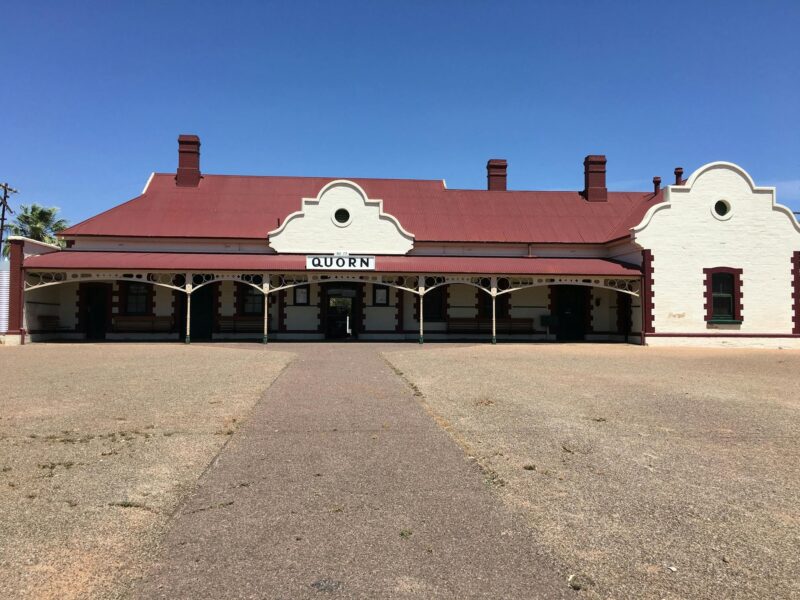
column 227, row 305
column 462, row 301
column 303, row 318
column 686, row 236
column 530, row 303
column 379, row 318
column 163, row 302
column 604, row 310
column 314, row 230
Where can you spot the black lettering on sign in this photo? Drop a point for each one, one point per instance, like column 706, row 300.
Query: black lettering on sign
column 351, row 262
column 340, row 262
column 365, row 262
column 328, row 261
column 316, row 262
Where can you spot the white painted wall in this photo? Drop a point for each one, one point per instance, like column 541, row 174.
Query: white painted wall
column 379, row 318
column 303, row 318
column 530, row 303
column 313, row 228
column 462, row 299
column 163, row 302
column 227, row 301
column 686, row 236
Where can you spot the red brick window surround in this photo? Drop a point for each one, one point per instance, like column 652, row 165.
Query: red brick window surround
column 796, row 291
column 136, row 298
column 723, row 295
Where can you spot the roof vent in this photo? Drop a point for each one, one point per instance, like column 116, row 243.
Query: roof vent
column 497, row 174
column 188, row 161
column 594, row 178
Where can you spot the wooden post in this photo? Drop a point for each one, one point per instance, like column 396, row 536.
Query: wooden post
column 494, row 310
column 188, row 286
column 265, row 291
column 421, row 292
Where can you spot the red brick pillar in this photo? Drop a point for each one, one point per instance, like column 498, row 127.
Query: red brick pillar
column 16, row 298
column 647, row 294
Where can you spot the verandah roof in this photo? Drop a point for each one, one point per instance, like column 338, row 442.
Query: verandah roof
column 270, row 263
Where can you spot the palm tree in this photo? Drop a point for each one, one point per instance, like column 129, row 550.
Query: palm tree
column 37, row 223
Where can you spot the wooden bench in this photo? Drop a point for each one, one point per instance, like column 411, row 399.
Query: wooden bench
column 141, row 324
column 484, row 325
column 241, row 324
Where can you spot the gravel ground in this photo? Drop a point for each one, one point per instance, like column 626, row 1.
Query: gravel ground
column 647, row 473
column 99, row 444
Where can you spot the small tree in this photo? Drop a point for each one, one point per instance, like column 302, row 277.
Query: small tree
column 37, row 223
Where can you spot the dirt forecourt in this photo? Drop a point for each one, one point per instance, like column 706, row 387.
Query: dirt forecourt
column 647, row 473
column 642, row 472
column 98, row 445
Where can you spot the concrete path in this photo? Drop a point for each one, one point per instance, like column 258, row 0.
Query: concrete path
column 340, row 485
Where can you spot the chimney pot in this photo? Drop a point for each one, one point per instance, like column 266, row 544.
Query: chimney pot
column 594, row 177
column 678, row 175
column 656, row 184
column 497, row 174
column 188, row 174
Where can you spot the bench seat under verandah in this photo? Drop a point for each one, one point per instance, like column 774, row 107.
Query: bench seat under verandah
column 484, row 325
column 241, row 324
column 141, row 324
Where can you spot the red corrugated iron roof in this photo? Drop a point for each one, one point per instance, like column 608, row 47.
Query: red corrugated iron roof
column 242, row 207
column 177, row 261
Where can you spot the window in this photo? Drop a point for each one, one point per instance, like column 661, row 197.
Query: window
column 435, row 305
column 137, row 298
column 341, row 217
column 301, row 295
column 485, row 305
column 251, row 301
column 380, row 295
column 723, row 295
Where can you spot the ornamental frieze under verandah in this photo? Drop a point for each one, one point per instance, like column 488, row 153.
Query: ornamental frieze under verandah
column 322, row 305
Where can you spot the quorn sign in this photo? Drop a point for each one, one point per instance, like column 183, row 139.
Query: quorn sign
column 340, row 263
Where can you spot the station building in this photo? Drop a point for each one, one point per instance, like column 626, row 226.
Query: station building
column 709, row 260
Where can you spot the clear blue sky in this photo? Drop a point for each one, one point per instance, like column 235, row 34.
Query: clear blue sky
column 95, row 93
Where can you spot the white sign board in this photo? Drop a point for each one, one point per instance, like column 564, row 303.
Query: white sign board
column 326, row 262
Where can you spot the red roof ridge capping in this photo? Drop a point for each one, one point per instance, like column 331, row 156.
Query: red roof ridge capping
column 249, row 206
column 327, row 178
column 176, row 261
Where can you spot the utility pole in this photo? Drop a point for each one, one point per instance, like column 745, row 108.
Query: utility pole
column 7, row 189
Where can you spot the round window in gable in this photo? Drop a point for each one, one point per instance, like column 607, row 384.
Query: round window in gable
column 341, row 216
column 722, row 210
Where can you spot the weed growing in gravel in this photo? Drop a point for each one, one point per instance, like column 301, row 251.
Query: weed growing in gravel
column 405, row 533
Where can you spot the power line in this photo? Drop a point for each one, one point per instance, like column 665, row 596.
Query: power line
column 7, row 189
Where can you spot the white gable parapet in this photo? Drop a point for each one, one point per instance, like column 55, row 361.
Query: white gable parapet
column 341, row 219
column 717, row 219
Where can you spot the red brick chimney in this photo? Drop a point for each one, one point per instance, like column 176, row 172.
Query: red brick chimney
column 496, row 174
column 188, row 161
column 594, row 177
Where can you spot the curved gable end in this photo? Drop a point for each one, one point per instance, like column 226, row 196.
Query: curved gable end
column 719, row 220
column 694, row 202
column 341, row 219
